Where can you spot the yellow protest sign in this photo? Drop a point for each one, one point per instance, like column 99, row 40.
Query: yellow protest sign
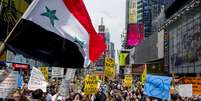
column 128, row 80
column 109, row 67
column 91, row 84
column 44, row 70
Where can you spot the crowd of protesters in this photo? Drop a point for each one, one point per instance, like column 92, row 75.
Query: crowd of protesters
column 108, row 91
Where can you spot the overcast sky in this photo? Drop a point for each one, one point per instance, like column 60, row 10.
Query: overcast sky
column 113, row 13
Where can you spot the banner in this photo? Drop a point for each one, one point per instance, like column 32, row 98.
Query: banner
column 185, row 90
column 135, row 34
column 8, row 83
column 123, row 58
column 157, row 86
column 44, row 70
column 57, row 72
column 128, row 80
column 37, row 80
column 109, row 67
column 196, row 83
column 91, row 84
column 70, row 74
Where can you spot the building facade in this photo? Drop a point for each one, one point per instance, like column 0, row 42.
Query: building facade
column 151, row 51
column 184, row 37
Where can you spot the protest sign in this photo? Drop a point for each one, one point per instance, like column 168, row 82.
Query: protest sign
column 185, row 90
column 57, row 72
column 157, row 86
column 91, row 84
column 109, row 67
column 8, row 84
column 70, row 74
column 64, row 88
column 37, row 80
column 128, row 80
column 44, row 70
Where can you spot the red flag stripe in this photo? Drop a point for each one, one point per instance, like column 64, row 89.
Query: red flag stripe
column 78, row 10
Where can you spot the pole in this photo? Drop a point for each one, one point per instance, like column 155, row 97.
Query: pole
column 2, row 47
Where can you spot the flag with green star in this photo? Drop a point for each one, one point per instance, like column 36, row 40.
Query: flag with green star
column 51, row 15
column 58, row 33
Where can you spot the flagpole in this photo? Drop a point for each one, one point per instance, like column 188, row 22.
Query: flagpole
column 2, row 47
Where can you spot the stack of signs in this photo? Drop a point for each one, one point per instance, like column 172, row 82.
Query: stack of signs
column 8, row 83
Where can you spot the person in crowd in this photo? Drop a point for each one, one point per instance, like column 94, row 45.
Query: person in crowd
column 37, row 95
column 77, row 97
column 100, row 96
column 16, row 95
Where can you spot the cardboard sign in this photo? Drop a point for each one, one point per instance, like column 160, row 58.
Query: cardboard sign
column 109, row 67
column 91, row 84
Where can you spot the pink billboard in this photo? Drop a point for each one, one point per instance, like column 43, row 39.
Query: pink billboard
column 135, row 34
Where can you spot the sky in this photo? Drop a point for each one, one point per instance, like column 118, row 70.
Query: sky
column 113, row 13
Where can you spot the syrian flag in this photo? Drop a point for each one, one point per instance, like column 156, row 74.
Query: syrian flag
column 58, row 32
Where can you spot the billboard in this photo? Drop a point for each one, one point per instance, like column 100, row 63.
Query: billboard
column 132, row 11
column 135, row 34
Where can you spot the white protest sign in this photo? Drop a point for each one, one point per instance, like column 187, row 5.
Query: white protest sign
column 37, row 80
column 185, row 90
column 57, row 72
column 64, row 88
column 8, row 84
column 70, row 74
